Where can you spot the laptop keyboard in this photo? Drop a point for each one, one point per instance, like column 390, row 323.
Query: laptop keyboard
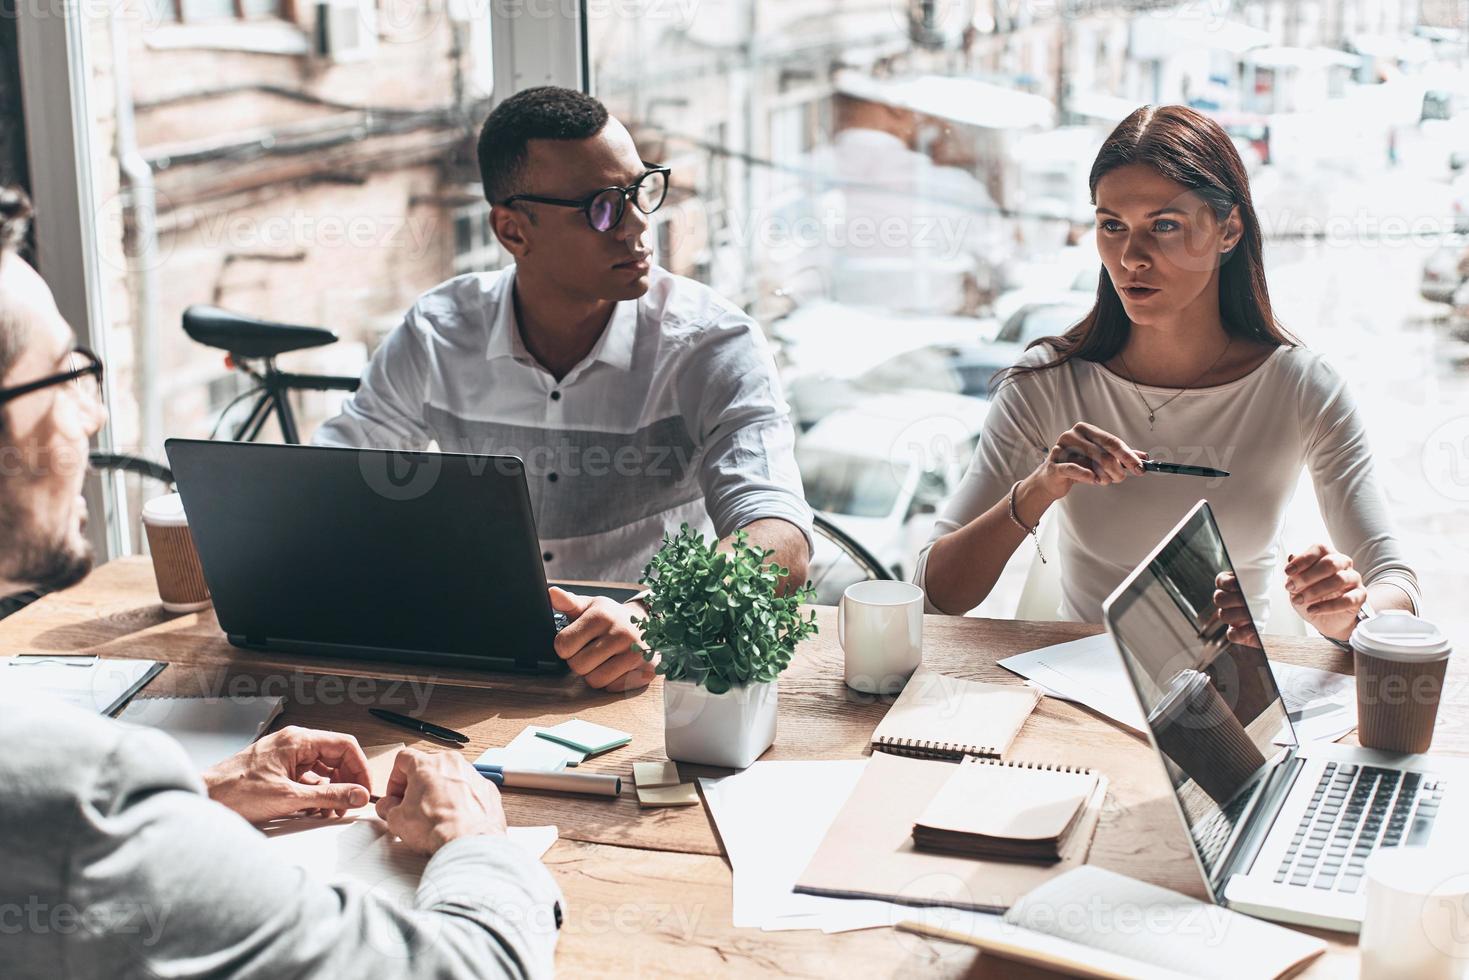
column 1355, row 810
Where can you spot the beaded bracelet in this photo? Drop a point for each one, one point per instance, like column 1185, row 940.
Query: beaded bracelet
column 1020, row 524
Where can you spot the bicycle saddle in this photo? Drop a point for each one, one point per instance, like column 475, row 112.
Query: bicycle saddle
column 245, row 336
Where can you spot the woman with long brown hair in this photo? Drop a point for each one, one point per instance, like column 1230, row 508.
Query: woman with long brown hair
column 1181, row 359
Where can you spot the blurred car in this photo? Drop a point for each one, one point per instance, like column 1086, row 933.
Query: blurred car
column 832, row 355
column 1068, row 276
column 879, row 471
column 1443, row 272
column 1460, row 190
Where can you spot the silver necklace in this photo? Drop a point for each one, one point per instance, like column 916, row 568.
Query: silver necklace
column 1154, row 410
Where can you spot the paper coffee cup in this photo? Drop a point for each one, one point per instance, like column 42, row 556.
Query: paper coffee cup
column 181, row 583
column 1400, row 662
column 1197, row 730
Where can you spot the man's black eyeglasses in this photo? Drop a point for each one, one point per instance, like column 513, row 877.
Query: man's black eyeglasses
column 84, row 369
column 604, row 208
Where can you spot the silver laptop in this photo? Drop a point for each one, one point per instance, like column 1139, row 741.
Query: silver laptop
column 1280, row 830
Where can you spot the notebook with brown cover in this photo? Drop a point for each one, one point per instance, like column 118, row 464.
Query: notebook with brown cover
column 868, row 852
column 1007, row 811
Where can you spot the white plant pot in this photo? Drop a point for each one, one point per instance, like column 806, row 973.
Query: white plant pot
column 729, row 729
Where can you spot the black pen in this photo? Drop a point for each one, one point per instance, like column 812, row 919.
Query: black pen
column 422, row 727
column 1181, row 469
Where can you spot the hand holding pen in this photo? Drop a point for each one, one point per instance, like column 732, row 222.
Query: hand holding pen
column 433, row 798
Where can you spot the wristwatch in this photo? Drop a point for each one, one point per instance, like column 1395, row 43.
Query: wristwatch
column 1365, row 613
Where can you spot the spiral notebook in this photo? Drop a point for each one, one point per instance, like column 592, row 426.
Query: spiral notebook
column 942, row 717
column 1009, row 811
column 868, row 851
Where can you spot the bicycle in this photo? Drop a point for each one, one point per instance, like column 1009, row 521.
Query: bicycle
column 252, row 345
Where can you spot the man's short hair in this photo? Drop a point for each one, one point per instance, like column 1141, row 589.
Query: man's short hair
column 15, row 219
column 543, row 113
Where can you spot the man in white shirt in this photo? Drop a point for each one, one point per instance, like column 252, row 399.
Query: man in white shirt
column 120, row 860
column 639, row 400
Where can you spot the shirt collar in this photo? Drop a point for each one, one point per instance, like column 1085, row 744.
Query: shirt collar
column 614, row 348
column 504, row 340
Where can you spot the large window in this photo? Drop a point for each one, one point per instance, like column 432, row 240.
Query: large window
column 895, row 190
column 899, row 196
column 306, row 162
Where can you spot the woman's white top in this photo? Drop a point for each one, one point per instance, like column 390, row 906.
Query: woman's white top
column 1291, row 411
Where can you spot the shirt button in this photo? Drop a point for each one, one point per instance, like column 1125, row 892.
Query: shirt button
column 552, row 477
column 547, row 556
column 555, row 396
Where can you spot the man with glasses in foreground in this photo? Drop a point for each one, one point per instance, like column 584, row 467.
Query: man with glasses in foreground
column 639, row 400
column 119, row 860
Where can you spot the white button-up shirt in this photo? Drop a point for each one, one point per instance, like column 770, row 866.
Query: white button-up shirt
column 675, row 416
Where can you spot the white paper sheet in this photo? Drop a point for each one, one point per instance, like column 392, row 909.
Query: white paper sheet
column 358, row 848
column 97, row 684
column 209, row 729
column 1322, row 705
column 772, row 817
column 1086, row 671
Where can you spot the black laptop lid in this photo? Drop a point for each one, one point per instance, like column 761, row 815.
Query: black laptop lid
column 430, row 556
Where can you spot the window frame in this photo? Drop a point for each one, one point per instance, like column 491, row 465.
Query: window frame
column 54, row 97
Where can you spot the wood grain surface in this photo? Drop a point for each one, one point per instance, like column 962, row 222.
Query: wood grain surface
column 649, row 891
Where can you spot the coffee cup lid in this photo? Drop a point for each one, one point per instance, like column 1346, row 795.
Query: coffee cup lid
column 1182, row 690
column 1396, row 634
column 166, row 511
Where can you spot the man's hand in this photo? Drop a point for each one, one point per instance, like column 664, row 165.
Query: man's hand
column 433, row 798
column 1325, row 590
column 291, row 771
column 598, row 644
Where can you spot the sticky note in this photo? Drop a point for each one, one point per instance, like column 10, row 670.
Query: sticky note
column 683, row 794
column 528, row 752
column 585, row 735
column 649, row 775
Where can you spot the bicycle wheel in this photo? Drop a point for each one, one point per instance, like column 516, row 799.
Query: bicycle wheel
column 840, row 560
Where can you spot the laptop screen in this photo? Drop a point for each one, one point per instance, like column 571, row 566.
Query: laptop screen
column 1205, row 688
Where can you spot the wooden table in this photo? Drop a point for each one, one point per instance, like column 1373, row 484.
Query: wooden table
column 648, row 890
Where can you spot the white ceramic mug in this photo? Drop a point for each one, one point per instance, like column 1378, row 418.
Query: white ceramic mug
column 880, row 628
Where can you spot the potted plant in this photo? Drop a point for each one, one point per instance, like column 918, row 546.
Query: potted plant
column 724, row 633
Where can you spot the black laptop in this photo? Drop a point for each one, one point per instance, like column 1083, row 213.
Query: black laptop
column 419, row 557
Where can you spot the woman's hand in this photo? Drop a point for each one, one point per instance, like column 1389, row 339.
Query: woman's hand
column 1229, row 600
column 1087, row 454
column 1325, row 590
column 294, row 770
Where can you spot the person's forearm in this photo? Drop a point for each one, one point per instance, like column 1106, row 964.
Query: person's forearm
column 1387, row 595
column 964, row 565
column 787, row 541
